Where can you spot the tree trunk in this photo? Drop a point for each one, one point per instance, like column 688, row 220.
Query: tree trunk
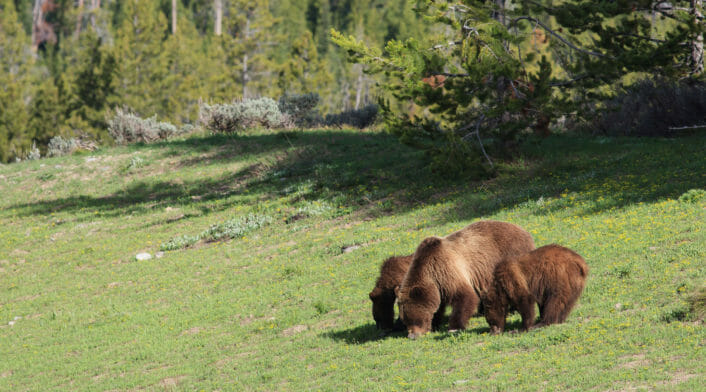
column 174, row 17
column 95, row 7
column 245, row 76
column 79, row 18
column 359, row 86
column 499, row 15
column 219, row 16
column 37, row 18
column 697, row 46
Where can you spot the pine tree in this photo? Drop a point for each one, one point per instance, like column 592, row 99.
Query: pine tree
column 139, row 44
column 15, row 82
column 248, row 45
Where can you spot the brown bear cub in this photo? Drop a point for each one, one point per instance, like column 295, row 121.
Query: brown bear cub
column 551, row 276
column 392, row 272
column 454, row 270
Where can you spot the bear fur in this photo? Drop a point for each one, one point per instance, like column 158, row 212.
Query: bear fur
column 392, row 272
column 455, row 270
column 551, row 276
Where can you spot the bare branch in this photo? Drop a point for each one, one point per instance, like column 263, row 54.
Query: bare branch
column 554, row 33
column 688, row 127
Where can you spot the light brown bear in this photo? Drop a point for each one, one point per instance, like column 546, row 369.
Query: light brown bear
column 455, row 270
column 551, row 276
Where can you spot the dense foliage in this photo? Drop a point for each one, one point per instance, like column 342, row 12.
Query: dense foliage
column 66, row 65
column 499, row 69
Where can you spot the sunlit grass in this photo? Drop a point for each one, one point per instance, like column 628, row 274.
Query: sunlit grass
column 283, row 305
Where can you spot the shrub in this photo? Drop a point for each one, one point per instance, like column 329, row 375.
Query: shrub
column 300, row 108
column 237, row 116
column 692, row 195
column 235, row 228
column 34, row 153
column 59, row 146
column 651, row 108
column 360, row 118
column 126, row 127
column 179, row 242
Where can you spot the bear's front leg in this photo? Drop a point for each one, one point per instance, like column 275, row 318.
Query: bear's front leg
column 438, row 317
column 526, row 308
column 464, row 303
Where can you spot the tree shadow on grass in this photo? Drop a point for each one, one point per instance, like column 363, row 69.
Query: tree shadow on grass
column 362, row 334
column 374, row 173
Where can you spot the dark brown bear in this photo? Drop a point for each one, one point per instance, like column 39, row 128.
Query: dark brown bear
column 454, row 270
column 392, row 272
column 551, row 276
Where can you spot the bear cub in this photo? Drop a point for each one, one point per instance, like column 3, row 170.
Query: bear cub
column 551, row 276
column 392, row 272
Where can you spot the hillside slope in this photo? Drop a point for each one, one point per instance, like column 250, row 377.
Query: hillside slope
column 283, row 304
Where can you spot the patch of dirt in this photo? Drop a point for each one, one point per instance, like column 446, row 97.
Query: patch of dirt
column 192, row 331
column 171, row 382
column 637, row 360
column 294, row 330
column 6, row 374
column 679, row 377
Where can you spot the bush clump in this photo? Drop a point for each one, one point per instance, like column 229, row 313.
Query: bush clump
column 299, row 108
column 126, row 127
column 655, row 108
column 360, row 118
column 693, row 195
column 234, row 228
column 240, row 115
column 58, row 146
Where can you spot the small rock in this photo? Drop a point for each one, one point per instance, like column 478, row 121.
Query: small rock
column 42, row 165
column 618, row 306
column 17, row 318
column 57, row 166
column 460, row 382
column 347, row 249
column 143, row 256
column 91, row 159
column 653, row 248
column 11, row 323
column 159, row 255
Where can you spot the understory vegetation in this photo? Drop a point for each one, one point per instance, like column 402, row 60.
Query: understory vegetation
column 273, row 240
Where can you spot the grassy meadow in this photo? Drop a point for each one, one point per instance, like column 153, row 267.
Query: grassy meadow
column 272, row 242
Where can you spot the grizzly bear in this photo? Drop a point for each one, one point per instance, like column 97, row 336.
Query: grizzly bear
column 455, row 270
column 383, row 296
column 551, row 276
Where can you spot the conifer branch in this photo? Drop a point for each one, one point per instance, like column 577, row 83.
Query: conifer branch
column 554, row 33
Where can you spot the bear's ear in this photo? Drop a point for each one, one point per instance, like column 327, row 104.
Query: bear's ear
column 375, row 293
column 416, row 293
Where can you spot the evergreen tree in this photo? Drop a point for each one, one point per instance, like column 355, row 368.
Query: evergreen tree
column 248, row 44
column 15, row 70
column 139, row 44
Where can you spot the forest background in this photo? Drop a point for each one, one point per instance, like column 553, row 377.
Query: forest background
column 66, row 64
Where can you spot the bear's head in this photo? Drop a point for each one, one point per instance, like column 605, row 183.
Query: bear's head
column 417, row 306
column 495, row 307
column 383, row 307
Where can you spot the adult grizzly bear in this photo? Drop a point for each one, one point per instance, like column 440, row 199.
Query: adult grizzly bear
column 454, row 270
column 551, row 276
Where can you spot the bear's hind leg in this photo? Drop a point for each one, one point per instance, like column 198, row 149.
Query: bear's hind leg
column 553, row 310
column 465, row 303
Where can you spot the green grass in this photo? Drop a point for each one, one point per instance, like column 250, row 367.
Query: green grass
column 284, row 306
